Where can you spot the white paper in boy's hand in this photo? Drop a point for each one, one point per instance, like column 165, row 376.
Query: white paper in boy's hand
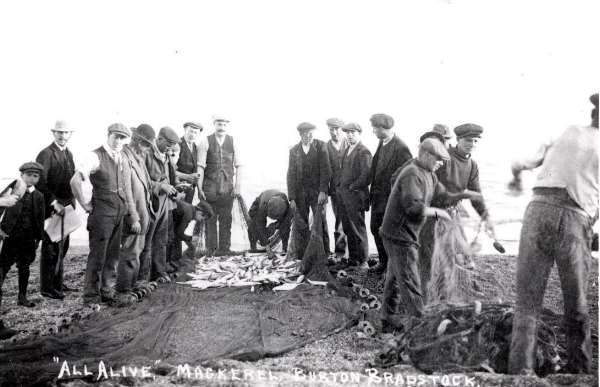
column 72, row 223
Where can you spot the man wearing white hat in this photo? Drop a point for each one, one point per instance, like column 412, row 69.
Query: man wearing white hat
column 59, row 168
column 219, row 182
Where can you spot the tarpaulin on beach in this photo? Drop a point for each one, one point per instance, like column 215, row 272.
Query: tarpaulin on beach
column 180, row 325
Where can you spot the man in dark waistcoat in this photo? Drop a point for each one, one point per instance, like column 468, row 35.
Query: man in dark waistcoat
column 54, row 183
column 391, row 154
column 308, row 178
column 187, row 164
column 336, row 147
column 353, row 192
column 219, row 182
column 111, row 201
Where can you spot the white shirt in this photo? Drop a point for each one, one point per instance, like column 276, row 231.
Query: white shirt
column 306, row 148
column 91, row 162
column 62, row 148
column 337, row 145
column 351, row 147
column 386, row 141
column 570, row 162
column 203, row 151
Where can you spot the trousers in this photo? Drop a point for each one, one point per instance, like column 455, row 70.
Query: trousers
column 153, row 259
column 105, row 243
column 339, row 238
column 554, row 230
column 220, row 239
column 376, row 222
column 402, row 281
column 128, row 268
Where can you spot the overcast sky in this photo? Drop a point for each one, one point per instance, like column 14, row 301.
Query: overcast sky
column 522, row 69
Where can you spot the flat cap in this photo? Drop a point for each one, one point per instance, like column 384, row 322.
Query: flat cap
column 468, row 130
column 169, row 134
column 352, row 126
column 304, row 126
column 219, row 117
column 335, row 122
column 194, row 125
column 144, row 132
column 61, row 126
column 435, row 147
column 443, row 130
column 119, row 129
column 594, row 100
column 432, row 134
column 381, row 120
column 32, row 166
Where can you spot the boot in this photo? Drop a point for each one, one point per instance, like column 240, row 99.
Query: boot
column 5, row 332
column 23, row 281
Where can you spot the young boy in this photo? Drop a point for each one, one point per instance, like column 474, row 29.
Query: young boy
column 21, row 230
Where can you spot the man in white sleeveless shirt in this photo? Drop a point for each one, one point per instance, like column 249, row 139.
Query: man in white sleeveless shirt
column 557, row 227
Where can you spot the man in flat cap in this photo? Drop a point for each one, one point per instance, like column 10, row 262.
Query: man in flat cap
column 391, row 154
column 336, row 147
column 54, row 183
column 21, row 229
column 163, row 178
column 220, row 177
column 111, row 202
column 187, row 163
column 136, row 228
column 308, row 179
column 353, row 190
column 274, row 205
column 408, row 206
column 557, row 227
column 457, row 174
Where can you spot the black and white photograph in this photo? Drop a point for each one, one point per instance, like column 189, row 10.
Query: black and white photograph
column 299, row 193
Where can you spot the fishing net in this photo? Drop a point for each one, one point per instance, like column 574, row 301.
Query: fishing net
column 180, row 325
column 452, row 279
column 470, row 338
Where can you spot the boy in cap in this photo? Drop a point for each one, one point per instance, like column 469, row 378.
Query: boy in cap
column 187, row 163
column 336, row 147
column 21, row 230
column 557, row 226
column 353, row 190
column 219, row 182
column 270, row 204
column 163, row 179
column 308, row 178
column 111, row 201
column 183, row 215
column 391, row 154
column 407, row 208
column 59, row 168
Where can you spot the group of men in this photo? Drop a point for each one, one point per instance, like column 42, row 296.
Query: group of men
column 143, row 191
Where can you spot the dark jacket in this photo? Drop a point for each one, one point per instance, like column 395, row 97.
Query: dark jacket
column 354, row 175
column 385, row 162
column 188, row 158
column 54, row 182
column 460, row 173
column 11, row 214
column 258, row 214
column 316, row 172
column 161, row 171
column 335, row 162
